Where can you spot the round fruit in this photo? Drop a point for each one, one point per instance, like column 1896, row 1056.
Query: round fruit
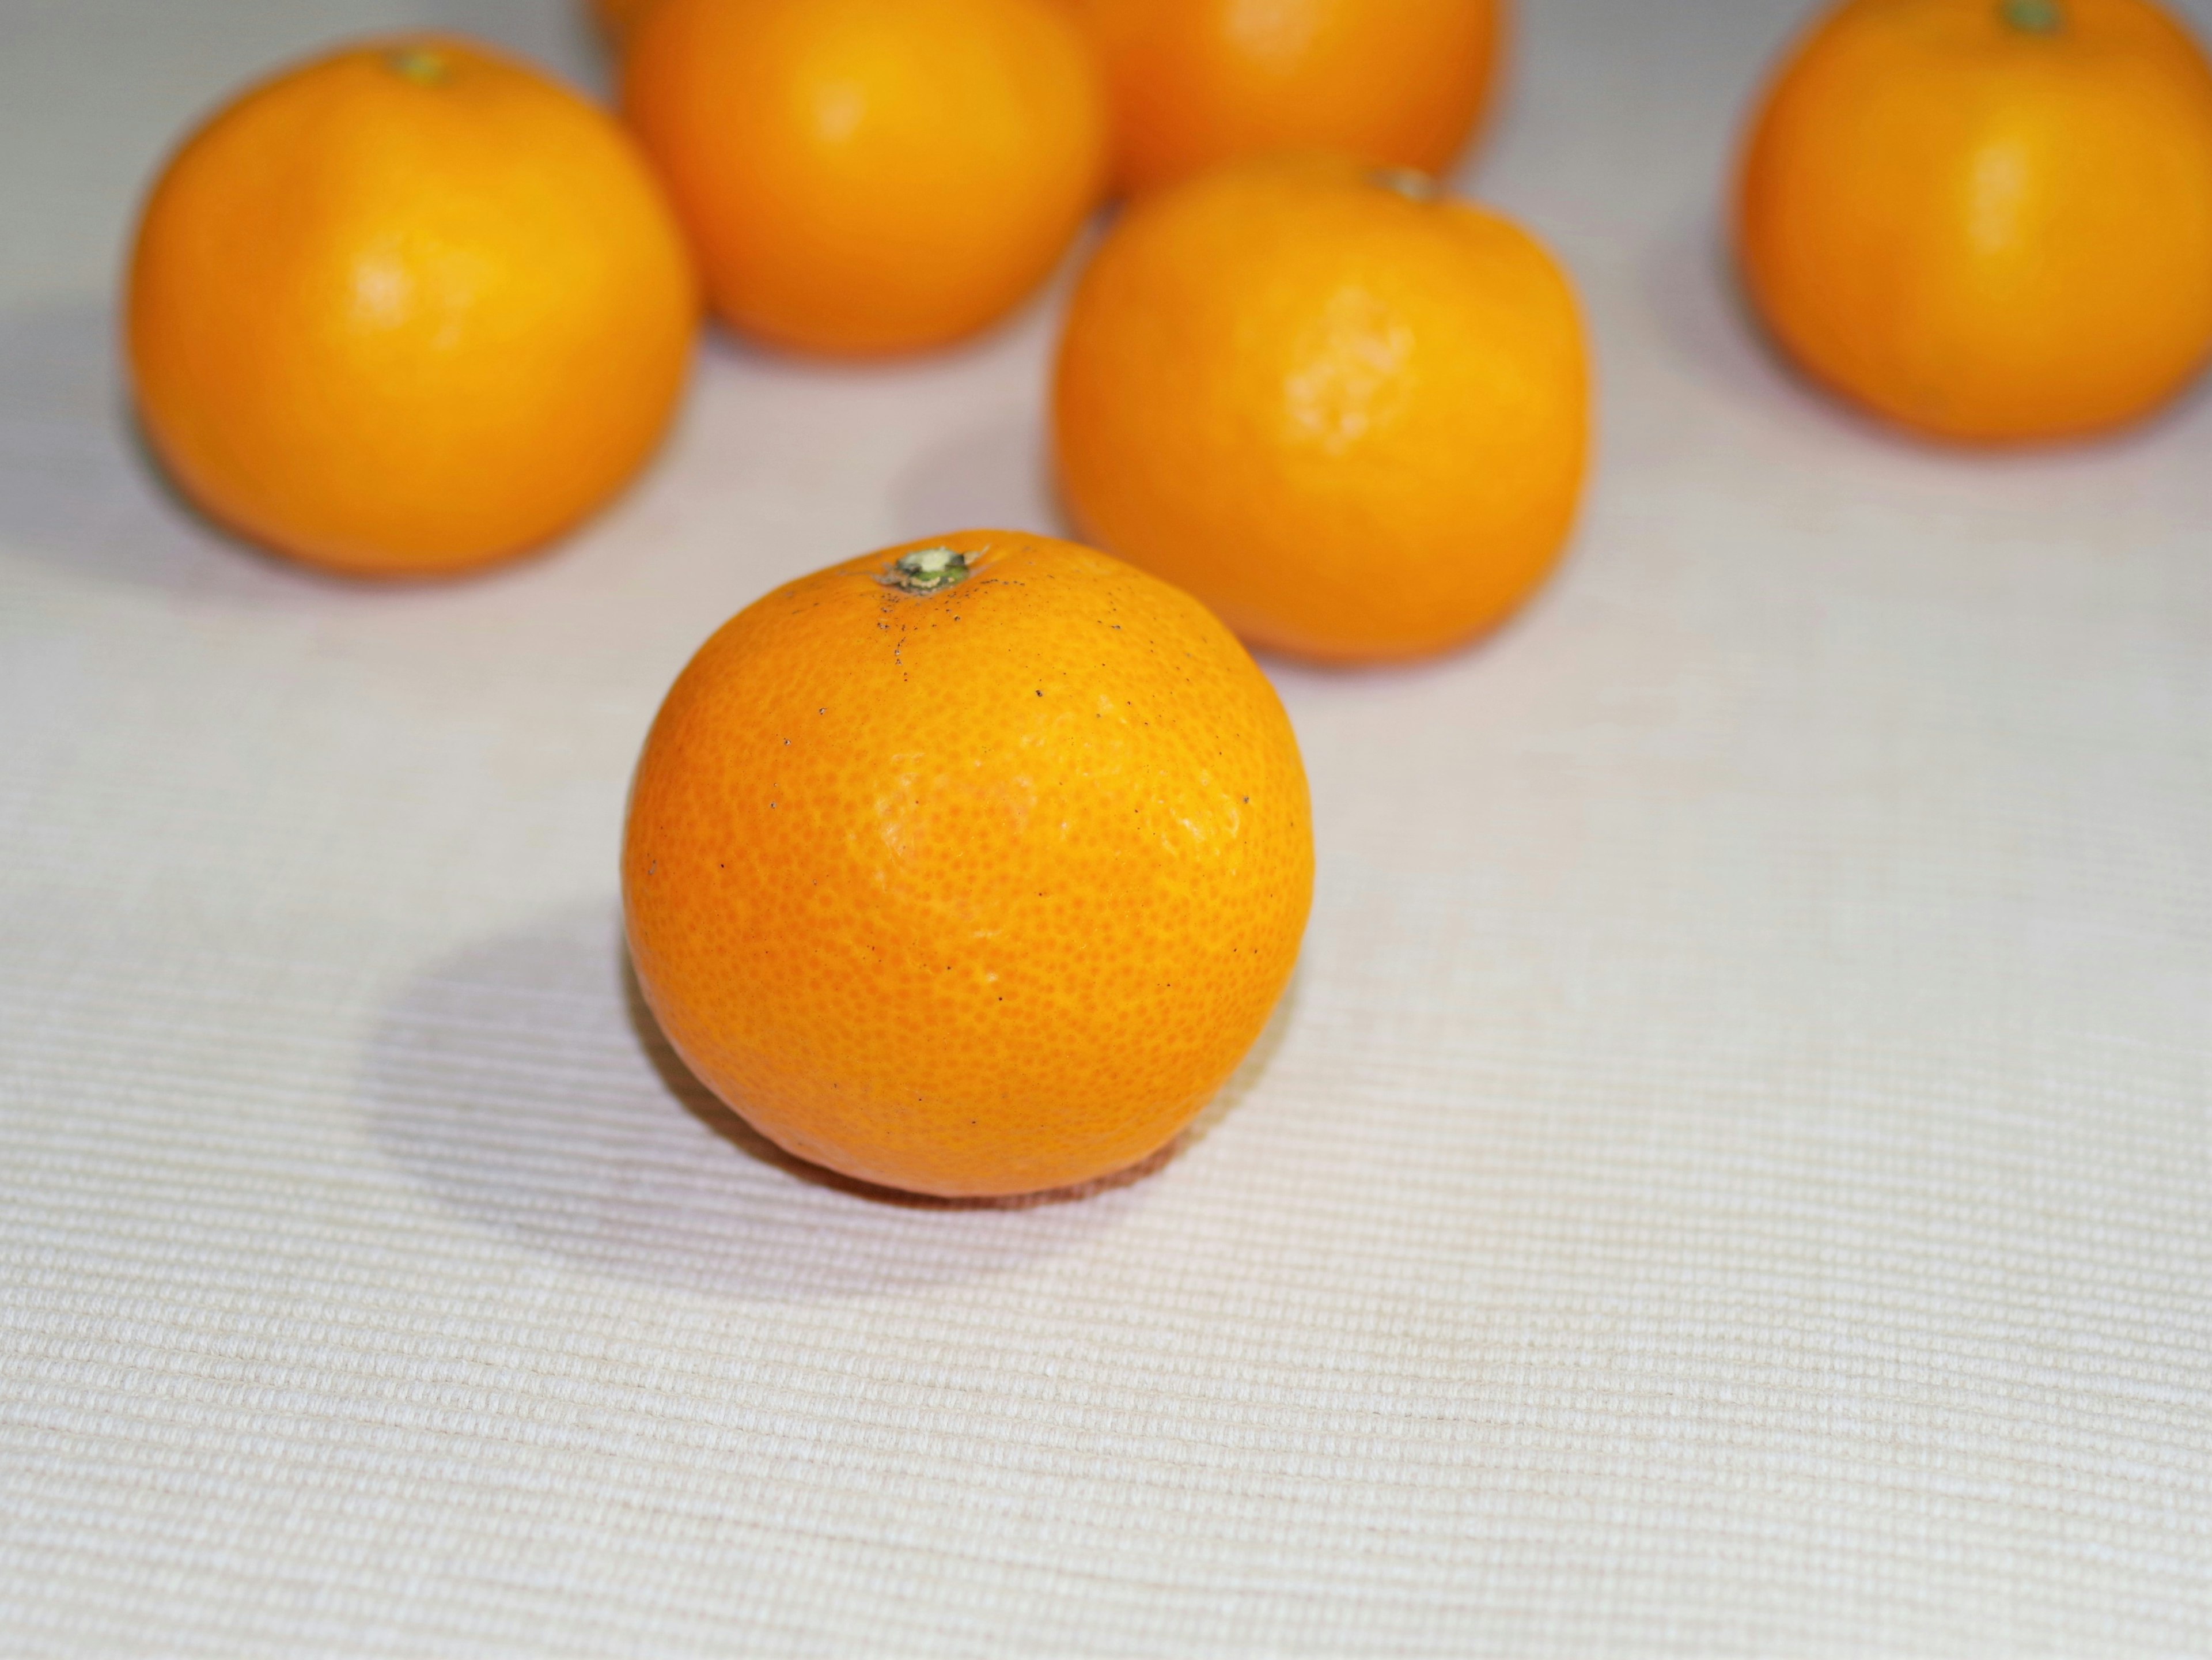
column 970, row 867
column 1200, row 81
column 870, row 176
column 1349, row 415
column 408, row 309
column 1988, row 220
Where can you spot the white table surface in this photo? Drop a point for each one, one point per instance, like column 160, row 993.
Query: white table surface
column 1732, row 1176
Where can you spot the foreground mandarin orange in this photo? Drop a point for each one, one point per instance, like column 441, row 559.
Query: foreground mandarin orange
column 407, row 310
column 1988, row 220
column 870, row 176
column 1200, row 81
column 972, row 868
column 1349, row 415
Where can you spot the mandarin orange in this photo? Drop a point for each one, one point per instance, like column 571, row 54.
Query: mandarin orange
column 971, row 867
column 1987, row 220
column 408, row 309
column 870, row 176
column 1200, row 81
column 1348, row 414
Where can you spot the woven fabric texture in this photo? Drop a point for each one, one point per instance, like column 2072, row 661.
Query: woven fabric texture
column 1731, row 1175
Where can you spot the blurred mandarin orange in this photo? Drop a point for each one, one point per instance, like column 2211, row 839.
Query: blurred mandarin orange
column 1199, row 82
column 1987, row 220
column 870, row 176
column 408, row 309
column 1348, row 413
column 970, row 867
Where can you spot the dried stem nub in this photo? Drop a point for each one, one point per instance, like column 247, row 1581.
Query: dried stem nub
column 925, row 570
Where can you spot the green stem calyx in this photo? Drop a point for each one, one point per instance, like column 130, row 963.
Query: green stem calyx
column 2034, row 16
column 424, row 67
column 925, row 570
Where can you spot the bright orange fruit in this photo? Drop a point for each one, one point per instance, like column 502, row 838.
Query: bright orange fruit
column 408, row 309
column 1348, row 414
column 1987, row 220
column 969, row 867
column 870, row 176
column 1200, row 82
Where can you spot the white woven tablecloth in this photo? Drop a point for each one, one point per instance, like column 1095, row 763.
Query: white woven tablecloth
column 1732, row 1176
